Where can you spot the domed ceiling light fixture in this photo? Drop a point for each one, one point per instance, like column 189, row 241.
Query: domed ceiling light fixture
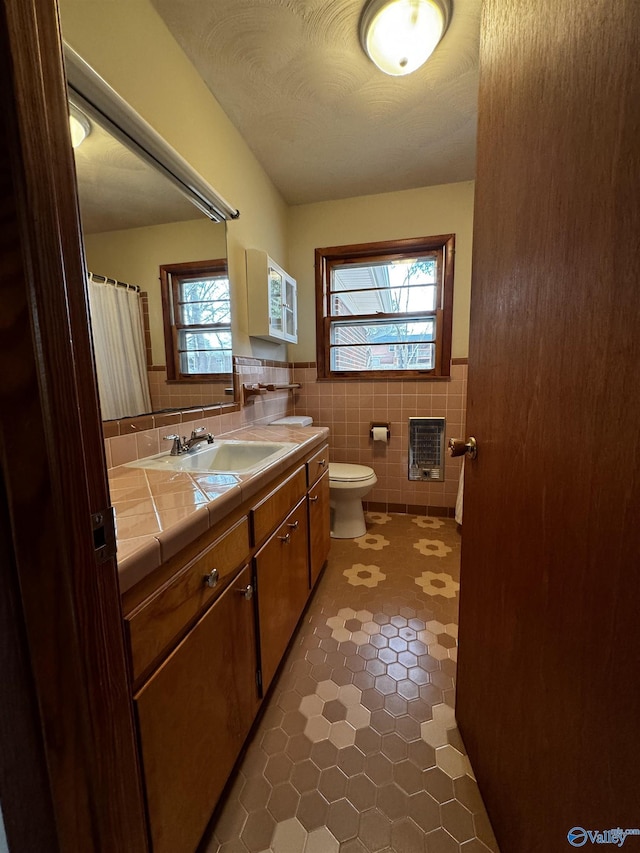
column 79, row 125
column 400, row 35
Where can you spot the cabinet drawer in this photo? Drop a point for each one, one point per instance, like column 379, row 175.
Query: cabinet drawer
column 162, row 617
column 317, row 465
column 270, row 512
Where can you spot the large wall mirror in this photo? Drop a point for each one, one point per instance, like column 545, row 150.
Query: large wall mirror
column 144, row 210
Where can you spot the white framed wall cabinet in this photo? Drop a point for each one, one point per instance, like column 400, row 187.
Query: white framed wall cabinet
column 273, row 299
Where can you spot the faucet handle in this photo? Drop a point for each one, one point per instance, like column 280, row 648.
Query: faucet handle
column 202, row 434
column 177, row 448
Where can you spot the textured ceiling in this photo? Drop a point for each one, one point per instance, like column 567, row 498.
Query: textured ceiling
column 119, row 190
column 322, row 120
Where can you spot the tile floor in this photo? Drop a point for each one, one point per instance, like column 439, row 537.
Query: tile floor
column 358, row 750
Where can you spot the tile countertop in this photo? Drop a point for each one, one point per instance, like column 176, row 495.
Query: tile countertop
column 158, row 513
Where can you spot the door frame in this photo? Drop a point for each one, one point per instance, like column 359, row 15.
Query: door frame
column 69, row 768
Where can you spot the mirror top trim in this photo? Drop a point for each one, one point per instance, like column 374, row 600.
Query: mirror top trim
column 90, row 93
column 165, row 418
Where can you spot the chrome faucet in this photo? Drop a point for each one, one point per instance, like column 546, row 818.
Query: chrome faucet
column 199, row 434
column 184, row 445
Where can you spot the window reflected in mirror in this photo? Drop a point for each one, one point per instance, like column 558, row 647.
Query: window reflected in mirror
column 135, row 223
column 197, row 320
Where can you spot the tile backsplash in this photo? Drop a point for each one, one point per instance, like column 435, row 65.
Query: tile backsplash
column 345, row 407
column 144, row 436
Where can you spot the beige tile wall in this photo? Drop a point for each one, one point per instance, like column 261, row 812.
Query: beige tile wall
column 348, row 407
column 179, row 395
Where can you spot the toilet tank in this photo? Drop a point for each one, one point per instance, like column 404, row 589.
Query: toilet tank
column 293, row 421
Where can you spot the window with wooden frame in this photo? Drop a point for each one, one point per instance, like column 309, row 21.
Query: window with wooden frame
column 196, row 306
column 385, row 309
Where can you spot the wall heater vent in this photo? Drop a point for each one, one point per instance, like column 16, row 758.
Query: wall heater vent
column 426, row 449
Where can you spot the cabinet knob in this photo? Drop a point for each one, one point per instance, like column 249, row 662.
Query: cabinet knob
column 212, row 578
column 246, row 592
column 322, row 462
column 314, row 499
column 286, row 538
column 293, row 525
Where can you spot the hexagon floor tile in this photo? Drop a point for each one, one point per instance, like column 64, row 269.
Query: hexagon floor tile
column 357, row 750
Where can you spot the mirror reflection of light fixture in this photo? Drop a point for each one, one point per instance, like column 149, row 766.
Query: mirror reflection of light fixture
column 79, row 124
column 400, row 35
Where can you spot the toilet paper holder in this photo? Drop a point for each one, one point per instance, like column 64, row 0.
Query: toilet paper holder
column 373, row 424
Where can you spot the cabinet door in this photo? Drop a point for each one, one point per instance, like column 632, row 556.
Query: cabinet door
column 290, row 309
column 319, row 527
column 276, row 302
column 194, row 715
column 283, row 588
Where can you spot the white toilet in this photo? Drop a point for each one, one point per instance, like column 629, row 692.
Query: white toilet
column 348, row 484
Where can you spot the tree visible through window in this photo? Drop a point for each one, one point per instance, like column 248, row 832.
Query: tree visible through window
column 385, row 308
column 197, row 319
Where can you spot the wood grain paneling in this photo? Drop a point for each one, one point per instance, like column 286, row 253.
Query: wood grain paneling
column 194, row 715
column 52, row 457
column 21, row 742
column 549, row 629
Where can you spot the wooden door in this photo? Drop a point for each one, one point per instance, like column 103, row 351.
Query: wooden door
column 319, row 527
column 69, row 777
column 548, row 703
column 282, row 575
column 194, row 715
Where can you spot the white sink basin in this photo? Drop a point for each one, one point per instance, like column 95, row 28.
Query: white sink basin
column 224, row 456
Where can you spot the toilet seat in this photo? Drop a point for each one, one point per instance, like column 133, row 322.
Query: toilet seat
column 345, row 472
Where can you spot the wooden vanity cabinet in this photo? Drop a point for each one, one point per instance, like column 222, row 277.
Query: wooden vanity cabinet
column 193, row 717
column 282, row 586
column 202, row 652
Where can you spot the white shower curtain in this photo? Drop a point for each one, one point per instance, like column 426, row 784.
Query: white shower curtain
column 118, row 342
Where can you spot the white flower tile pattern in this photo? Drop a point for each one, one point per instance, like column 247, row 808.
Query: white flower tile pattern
column 378, row 517
column 351, row 625
column 372, row 541
column 361, row 575
column 334, row 713
column 438, row 583
column 358, row 749
column 426, row 521
column 432, row 548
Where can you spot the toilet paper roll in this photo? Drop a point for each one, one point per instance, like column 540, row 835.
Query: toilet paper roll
column 380, row 434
